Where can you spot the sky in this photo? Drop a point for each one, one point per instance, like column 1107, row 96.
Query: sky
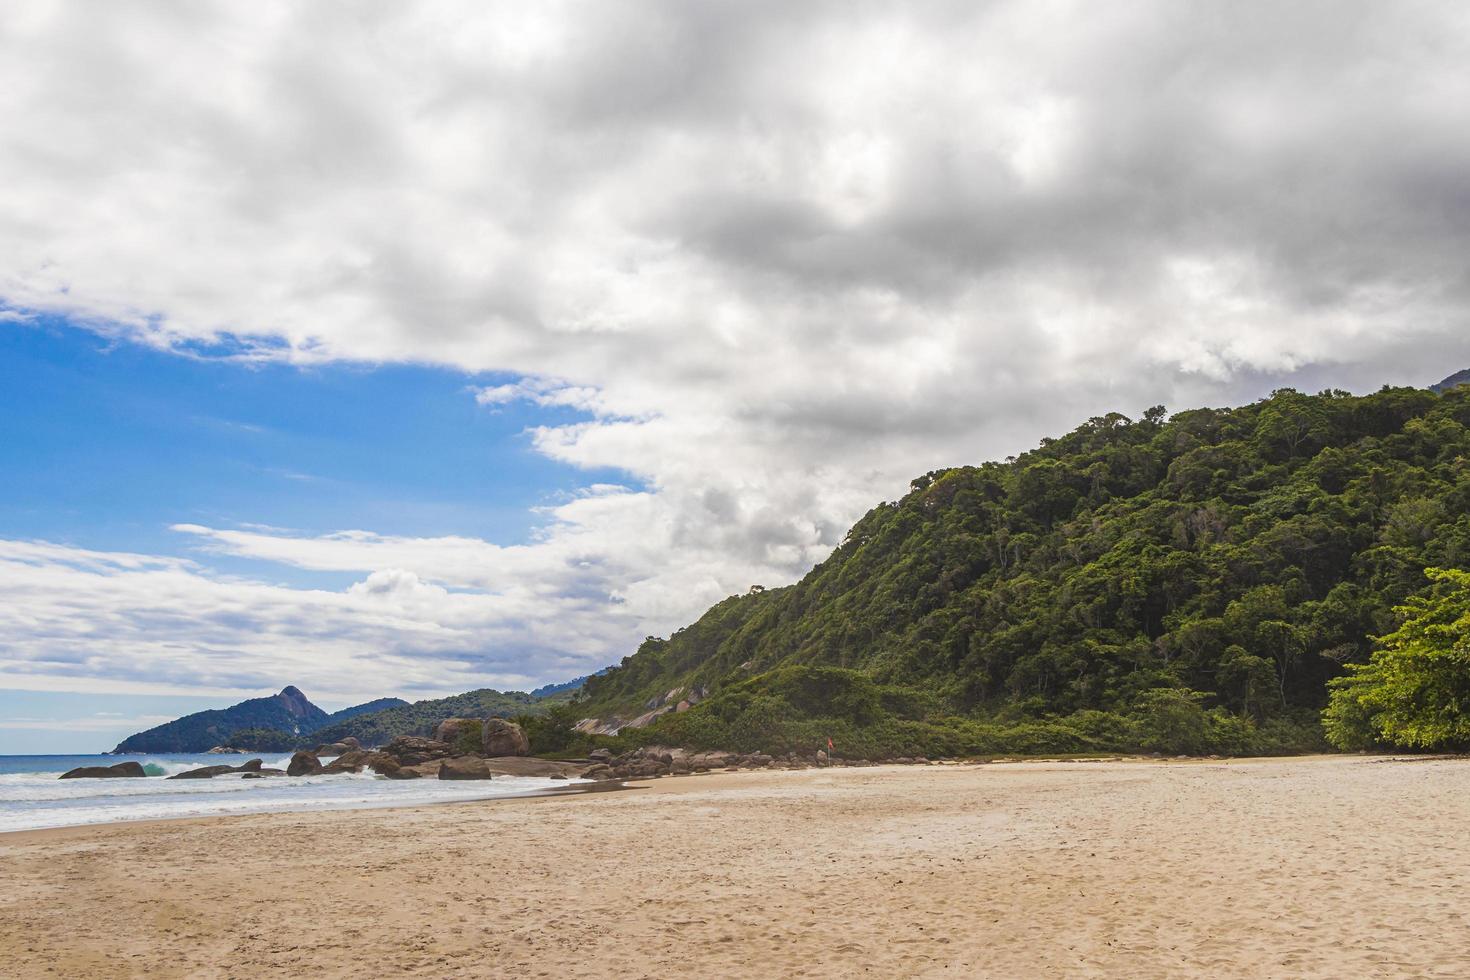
column 409, row 348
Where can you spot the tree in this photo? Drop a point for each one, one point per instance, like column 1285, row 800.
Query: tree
column 1414, row 691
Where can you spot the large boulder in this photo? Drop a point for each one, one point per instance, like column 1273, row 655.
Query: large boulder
column 413, row 750
column 499, row 737
column 451, row 730
column 465, row 767
column 304, row 764
column 122, row 769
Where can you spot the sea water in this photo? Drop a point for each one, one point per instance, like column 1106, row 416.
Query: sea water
column 33, row 796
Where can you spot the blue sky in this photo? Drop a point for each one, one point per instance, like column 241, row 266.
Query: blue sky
column 472, row 359
column 107, row 443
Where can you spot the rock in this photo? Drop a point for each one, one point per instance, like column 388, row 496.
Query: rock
column 337, row 768
column 401, row 773
column 450, row 730
column 601, row 771
column 499, row 737
column 350, row 761
column 821, row 757
column 413, row 750
column 208, row 772
column 465, row 767
column 332, row 748
column 557, row 775
column 122, row 769
column 352, row 743
column 600, row 755
column 304, row 764
column 759, row 761
column 383, row 764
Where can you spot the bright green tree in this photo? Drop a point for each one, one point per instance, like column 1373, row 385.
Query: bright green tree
column 1414, row 691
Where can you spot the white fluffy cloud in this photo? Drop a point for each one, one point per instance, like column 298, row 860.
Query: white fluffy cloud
column 783, row 256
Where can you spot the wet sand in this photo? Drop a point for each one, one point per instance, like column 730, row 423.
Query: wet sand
column 1324, row 867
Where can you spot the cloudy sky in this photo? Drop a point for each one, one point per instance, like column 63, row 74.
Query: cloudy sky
column 406, row 348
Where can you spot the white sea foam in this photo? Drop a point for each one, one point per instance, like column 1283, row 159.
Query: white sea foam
column 32, row 800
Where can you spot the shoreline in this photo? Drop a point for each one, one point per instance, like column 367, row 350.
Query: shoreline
column 1316, row 866
column 660, row 783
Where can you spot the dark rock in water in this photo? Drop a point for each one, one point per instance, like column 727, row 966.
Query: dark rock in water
column 208, row 772
column 557, row 775
column 352, row 761
column 304, row 764
column 412, row 750
column 501, row 737
column 122, row 769
column 465, row 767
column 382, row 763
column 403, row 772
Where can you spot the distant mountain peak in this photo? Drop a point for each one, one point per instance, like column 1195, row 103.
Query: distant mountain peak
column 1453, row 381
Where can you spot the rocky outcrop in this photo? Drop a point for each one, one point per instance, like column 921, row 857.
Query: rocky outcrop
column 677, row 699
column 499, row 737
column 121, row 770
column 304, row 764
column 465, row 767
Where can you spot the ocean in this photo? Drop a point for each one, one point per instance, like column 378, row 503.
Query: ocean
column 32, row 796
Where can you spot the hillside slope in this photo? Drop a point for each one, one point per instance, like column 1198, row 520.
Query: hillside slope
column 1213, row 569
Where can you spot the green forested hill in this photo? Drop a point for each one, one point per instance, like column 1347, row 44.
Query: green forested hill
column 421, row 717
column 1185, row 583
column 289, row 711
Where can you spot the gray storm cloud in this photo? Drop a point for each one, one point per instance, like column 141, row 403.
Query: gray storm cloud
column 785, row 256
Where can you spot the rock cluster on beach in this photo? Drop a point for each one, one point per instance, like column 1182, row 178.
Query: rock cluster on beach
column 504, row 751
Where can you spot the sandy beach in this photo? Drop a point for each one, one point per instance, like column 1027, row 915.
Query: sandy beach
column 1330, row 867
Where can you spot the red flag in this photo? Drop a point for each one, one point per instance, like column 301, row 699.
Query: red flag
column 829, row 743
